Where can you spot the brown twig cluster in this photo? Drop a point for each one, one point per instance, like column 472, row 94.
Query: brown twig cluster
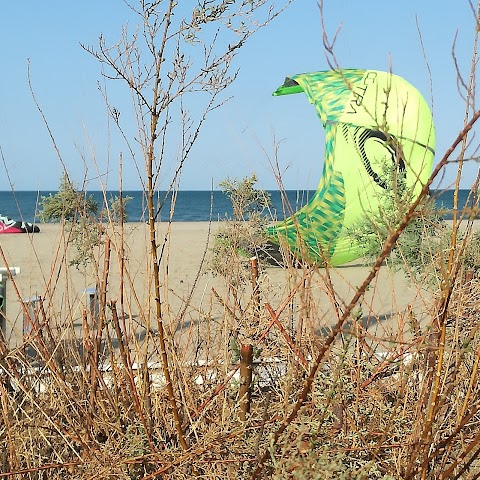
column 292, row 372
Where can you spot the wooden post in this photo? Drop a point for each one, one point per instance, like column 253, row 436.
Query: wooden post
column 255, row 290
column 246, row 361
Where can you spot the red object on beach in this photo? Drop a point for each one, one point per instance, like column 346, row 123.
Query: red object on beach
column 7, row 225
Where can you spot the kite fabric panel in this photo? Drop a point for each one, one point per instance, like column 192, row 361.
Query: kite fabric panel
column 7, row 225
column 375, row 124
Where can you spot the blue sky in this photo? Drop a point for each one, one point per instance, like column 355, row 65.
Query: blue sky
column 239, row 138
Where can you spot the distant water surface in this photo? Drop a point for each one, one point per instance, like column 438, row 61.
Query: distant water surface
column 190, row 206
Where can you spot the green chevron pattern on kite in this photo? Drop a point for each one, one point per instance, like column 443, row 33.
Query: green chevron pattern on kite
column 319, row 223
column 325, row 221
column 330, row 135
column 329, row 91
column 292, row 222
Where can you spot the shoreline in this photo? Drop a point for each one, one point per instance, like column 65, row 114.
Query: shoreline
column 190, row 205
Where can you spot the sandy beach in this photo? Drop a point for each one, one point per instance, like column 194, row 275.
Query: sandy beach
column 186, row 281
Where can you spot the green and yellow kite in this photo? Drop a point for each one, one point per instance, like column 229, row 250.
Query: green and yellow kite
column 375, row 123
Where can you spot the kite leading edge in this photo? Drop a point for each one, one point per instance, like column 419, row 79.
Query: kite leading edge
column 375, row 123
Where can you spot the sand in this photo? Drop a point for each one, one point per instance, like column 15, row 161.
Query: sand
column 187, row 294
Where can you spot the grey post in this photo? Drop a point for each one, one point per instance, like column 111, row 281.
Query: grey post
column 93, row 302
column 30, row 319
column 3, row 296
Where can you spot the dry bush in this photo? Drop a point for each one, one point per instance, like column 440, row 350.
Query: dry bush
column 365, row 377
column 77, row 400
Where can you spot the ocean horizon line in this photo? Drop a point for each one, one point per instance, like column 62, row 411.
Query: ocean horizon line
column 182, row 205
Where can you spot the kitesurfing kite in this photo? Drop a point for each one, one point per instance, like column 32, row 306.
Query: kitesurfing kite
column 375, row 123
column 7, row 225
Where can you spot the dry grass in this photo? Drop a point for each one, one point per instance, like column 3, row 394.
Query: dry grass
column 359, row 378
column 395, row 395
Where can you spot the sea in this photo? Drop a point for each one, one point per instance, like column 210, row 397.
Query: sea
column 189, row 206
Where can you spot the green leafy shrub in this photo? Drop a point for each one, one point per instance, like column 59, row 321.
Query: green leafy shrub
column 67, row 204
column 82, row 216
column 116, row 209
column 242, row 236
column 422, row 249
column 248, row 203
